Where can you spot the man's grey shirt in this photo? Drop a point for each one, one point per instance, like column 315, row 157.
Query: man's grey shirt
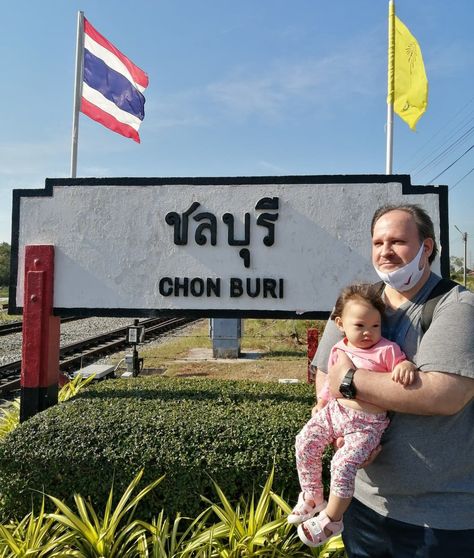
column 425, row 472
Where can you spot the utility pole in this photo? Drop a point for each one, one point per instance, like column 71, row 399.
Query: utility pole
column 464, row 239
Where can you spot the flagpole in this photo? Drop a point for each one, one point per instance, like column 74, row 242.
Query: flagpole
column 77, row 91
column 391, row 86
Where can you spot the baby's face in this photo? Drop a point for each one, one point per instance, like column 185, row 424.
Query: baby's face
column 361, row 323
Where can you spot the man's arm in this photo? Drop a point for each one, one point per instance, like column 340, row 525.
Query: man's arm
column 432, row 393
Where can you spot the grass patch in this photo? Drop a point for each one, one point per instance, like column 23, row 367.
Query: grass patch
column 271, row 349
column 279, row 337
column 4, row 317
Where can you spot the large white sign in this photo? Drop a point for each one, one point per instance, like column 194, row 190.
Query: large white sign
column 214, row 247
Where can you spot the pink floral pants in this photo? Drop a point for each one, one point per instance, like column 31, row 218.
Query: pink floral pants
column 361, row 432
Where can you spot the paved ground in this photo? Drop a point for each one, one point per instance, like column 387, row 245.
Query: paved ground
column 196, row 355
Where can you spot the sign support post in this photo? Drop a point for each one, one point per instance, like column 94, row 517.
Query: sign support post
column 225, row 336
column 41, row 330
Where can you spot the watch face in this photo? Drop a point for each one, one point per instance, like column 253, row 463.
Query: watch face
column 347, row 391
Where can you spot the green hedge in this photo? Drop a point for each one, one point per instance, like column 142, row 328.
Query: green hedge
column 191, row 430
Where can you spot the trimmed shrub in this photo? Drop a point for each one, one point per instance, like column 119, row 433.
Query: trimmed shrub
column 190, row 430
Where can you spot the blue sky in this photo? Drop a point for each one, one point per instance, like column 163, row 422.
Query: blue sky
column 254, row 87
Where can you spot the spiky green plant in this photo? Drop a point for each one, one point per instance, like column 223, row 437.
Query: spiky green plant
column 244, row 530
column 111, row 535
column 73, row 387
column 249, row 529
column 163, row 540
column 10, row 416
column 256, row 530
column 35, row 536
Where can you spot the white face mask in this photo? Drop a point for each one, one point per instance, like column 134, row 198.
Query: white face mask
column 406, row 277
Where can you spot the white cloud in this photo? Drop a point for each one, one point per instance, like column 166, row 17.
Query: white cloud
column 284, row 87
column 268, row 166
column 354, row 70
column 247, row 94
column 23, row 161
column 177, row 110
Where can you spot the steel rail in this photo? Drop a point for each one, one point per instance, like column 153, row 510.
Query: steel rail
column 16, row 326
column 94, row 347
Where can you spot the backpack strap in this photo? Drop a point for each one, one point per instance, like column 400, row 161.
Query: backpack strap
column 380, row 286
column 438, row 291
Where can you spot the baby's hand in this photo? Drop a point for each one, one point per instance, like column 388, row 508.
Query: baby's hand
column 404, row 373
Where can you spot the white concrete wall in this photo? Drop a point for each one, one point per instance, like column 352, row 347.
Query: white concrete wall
column 112, row 244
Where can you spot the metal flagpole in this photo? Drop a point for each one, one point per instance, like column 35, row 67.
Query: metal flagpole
column 389, row 155
column 77, row 91
column 391, row 86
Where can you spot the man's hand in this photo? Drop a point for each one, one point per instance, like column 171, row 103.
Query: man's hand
column 404, row 373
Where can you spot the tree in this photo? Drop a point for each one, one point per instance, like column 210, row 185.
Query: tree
column 4, row 263
column 456, row 263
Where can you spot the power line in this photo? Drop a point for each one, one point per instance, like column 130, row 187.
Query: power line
column 438, row 158
column 453, row 134
column 443, row 128
column 461, row 179
column 449, row 166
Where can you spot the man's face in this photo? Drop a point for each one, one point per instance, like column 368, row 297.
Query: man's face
column 396, row 242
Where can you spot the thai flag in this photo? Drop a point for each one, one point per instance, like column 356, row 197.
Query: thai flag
column 112, row 87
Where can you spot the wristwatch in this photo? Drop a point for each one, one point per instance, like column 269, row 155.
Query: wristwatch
column 347, row 387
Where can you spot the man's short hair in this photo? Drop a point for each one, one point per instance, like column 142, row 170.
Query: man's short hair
column 423, row 222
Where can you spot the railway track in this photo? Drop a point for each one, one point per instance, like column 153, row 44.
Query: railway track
column 16, row 326
column 83, row 352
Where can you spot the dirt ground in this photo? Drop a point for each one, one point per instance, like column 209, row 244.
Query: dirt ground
column 267, row 358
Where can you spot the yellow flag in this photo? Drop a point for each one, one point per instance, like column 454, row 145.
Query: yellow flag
column 409, row 91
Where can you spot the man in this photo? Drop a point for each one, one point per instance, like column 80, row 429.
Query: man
column 417, row 497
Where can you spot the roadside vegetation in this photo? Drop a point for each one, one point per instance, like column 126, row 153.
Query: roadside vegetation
column 457, row 272
column 247, row 523
column 4, row 266
column 459, row 278
column 4, row 279
column 190, row 429
column 256, row 526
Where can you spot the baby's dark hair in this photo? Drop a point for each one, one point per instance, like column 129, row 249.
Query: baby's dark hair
column 362, row 291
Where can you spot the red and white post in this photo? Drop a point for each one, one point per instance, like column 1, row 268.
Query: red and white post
column 41, row 330
column 312, row 338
